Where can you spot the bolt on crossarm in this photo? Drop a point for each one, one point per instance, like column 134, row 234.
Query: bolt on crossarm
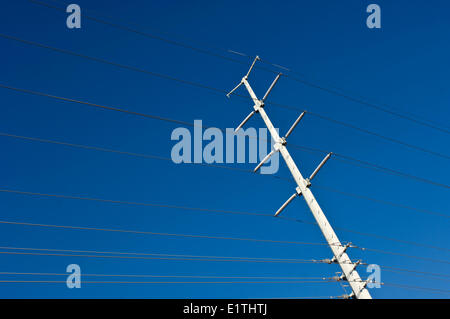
column 303, row 189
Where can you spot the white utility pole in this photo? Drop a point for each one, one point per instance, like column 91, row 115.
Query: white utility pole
column 340, row 256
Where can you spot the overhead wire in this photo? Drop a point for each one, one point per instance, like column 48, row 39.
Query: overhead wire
column 290, row 75
column 435, row 153
column 190, row 257
column 214, row 89
column 161, row 276
column 196, row 209
column 168, row 234
column 380, row 251
column 342, row 157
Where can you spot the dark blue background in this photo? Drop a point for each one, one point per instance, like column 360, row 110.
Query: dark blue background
column 404, row 64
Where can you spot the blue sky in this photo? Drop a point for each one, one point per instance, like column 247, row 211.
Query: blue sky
column 404, row 65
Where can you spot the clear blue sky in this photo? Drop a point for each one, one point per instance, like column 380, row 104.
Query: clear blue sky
column 404, row 64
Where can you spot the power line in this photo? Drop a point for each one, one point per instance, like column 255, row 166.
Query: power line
column 387, row 138
column 171, row 282
column 122, row 66
column 372, row 105
column 157, row 258
column 210, row 88
column 34, row 139
column 146, row 204
column 439, row 291
column 340, row 256
column 188, row 257
column 348, row 159
column 223, row 211
column 439, row 278
column 431, row 152
column 267, row 278
column 292, row 74
column 158, row 254
column 365, row 164
column 161, row 276
column 415, row 272
column 404, row 255
column 222, row 238
column 164, row 234
column 377, row 200
column 217, row 211
column 107, row 150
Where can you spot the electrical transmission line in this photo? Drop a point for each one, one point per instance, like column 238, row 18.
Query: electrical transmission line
column 291, row 74
column 163, row 276
column 148, row 156
column 292, row 279
column 161, row 255
column 176, row 257
column 409, row 145
column 203, row 258
column 141, row 232
column 216, row 90
column 342, row 157
column 202, row 210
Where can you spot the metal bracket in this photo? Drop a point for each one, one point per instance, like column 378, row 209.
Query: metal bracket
column 327, row 157
column 290, row 199
column 245, row 77
column 265, row 159
column 294, row 125
column 270, row 88
column 335, row 258
column 340, row 277
column 354, row 266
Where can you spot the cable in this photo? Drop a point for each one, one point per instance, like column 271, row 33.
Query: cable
column 413, row 272
column 210, row 88
column 334, row 91
column 372, row 105
column 366, row 164
column 216, row 211
column 43, row 46
column 387, row 138
column 224, row 167
column 439, row 291
column 156, row 254
column 223, row 238
column 122, row 66
column 222, row 211
column 403, row 255
column 167, row 234
column 101, row 149
column 420, row 210
column 171, row 282
column 185, row 257
column 133, row 203
column 162, row 276
column 390, row 170
column 341, row 156
column 417, row 275
column 434, row 153
column 157, row 258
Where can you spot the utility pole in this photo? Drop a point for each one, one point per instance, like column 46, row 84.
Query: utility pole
column 340, row 256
